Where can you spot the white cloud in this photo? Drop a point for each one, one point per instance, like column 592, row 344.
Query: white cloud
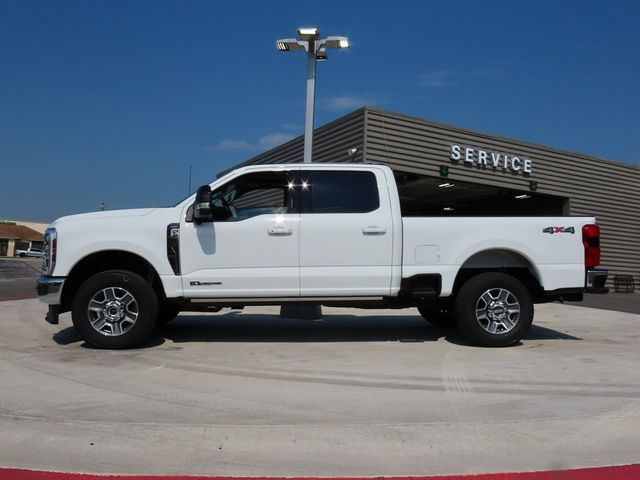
column 230, row 144
column 274, row 139
column 292, row 127
column 438, row 78
column 450, row 78
column 348, row 102
column 264, row 143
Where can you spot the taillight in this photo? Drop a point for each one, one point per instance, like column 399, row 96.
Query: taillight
column 591, row 242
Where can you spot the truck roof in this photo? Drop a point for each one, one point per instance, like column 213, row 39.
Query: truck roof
column 290, row 166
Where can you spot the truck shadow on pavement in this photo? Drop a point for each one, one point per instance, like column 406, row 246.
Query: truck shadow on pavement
column 234, row 327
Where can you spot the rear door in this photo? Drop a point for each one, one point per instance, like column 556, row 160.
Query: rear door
column 346, row 233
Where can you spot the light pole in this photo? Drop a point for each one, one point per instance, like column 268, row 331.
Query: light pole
column 316, row 48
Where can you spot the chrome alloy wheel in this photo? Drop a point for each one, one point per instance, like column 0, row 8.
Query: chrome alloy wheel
column 112, row 311
column 498, row 311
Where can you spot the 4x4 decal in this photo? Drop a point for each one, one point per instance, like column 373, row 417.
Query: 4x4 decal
column 553, row 230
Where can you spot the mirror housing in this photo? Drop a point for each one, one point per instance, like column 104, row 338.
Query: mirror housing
column 202, row 210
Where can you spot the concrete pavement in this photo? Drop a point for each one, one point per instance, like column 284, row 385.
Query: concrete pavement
column 359, row 393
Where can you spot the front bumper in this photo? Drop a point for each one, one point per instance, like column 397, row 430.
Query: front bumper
column 596, row 280
column 50, row 289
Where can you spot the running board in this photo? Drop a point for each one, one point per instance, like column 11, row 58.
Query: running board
column 280, row 300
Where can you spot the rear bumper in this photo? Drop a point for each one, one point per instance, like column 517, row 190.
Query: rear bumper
column 50, row 289
column 596, row 280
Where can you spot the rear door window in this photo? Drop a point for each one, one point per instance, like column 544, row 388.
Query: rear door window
column 339, row 192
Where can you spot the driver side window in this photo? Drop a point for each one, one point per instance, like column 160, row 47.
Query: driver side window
column 253, row 194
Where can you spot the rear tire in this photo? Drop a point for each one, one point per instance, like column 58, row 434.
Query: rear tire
column 494, row 309
column 115, row 309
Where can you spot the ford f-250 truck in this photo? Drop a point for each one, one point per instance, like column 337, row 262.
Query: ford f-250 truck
column 311, row 233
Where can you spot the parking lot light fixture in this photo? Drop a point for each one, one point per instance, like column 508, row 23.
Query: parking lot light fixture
column 316, row 48
column 308, row 32
column 288, row 45
column 338, row 42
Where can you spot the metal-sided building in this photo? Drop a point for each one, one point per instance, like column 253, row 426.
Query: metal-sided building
column 447, row 170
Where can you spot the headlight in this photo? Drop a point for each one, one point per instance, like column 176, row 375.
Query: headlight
column 49, row 251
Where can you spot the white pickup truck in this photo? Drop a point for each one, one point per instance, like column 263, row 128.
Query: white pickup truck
column 311, row 234
column 28, row 252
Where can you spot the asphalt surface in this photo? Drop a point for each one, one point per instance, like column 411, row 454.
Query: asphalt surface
column 358, row 393
column 619, row 302
column 18, row 278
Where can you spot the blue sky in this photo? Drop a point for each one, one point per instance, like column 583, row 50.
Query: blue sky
column 113, row 100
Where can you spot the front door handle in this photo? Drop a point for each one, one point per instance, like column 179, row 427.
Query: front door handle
column 372, row 230
column 280, row 231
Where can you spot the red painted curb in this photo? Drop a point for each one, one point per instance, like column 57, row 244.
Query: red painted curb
column 624, row 472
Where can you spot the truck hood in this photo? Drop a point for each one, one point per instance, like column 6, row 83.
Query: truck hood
column 109, row 214
column 141, row 231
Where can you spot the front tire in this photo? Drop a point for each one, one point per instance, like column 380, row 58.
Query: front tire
column 494, row 309
column 115, row 309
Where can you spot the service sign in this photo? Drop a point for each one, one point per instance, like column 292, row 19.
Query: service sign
column 496, row 160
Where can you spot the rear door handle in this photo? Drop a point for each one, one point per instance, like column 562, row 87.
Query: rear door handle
column 372, row 230
column 280, row 231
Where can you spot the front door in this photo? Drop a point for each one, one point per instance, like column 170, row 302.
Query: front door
column 251, row 249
